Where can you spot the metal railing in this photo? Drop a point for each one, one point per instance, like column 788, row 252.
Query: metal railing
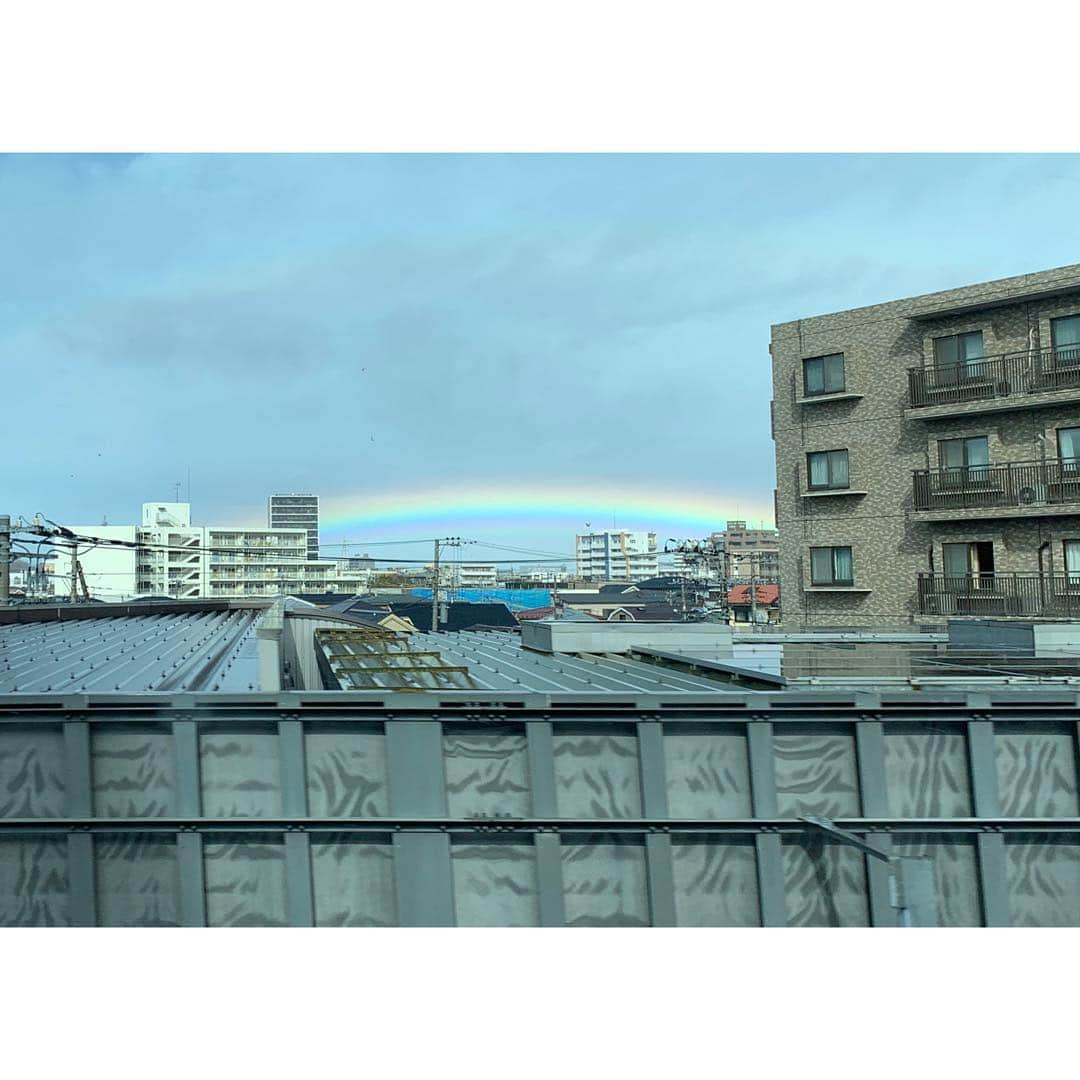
column 1014, row 484
column 1039, row 370
column 1021, row 594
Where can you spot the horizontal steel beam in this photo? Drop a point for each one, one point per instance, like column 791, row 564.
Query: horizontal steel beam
column 494, row 826
column 784, row 706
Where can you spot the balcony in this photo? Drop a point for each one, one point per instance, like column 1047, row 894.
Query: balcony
column 996, row 383
column 1028, row 595
column 1016, row 489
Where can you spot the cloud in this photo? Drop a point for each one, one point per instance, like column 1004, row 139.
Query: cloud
column 486, row 317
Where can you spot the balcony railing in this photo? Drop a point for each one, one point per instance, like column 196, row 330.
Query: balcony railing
column 1018, row 594
column 1038, row 371
column 1016, row 484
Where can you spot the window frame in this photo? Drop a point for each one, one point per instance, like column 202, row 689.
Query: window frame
column 1068, row 464
column 1071, row 348
column 967, row 474
column 974, row 574
column 957, row 371
column 833, row 579
column 829, row 485
column 1072, row 574
column 842, row 389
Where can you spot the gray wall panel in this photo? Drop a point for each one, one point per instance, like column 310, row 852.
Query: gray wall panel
column 33, row 881
column 716, row 883
column 1036, row 767
column 1043, row 877
column 134, row 772
column 245, row 883
column 346, row 773
column 926, row 770
column 353, row 882
column 495, row 884
column 487, row 772
column 597, row 775
column 708, row 774
column 32, row 771
column 816, row 773
column 824, row 884
column 138, row 881
column 605, row 883
column 241, row 774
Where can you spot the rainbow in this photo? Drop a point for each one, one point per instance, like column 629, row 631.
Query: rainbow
column 509, row 506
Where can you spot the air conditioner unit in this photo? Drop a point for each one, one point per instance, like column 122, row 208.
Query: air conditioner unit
column 1032, row 495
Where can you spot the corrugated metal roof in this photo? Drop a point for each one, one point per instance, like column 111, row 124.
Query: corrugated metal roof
column 498, row 662
column 213, row 650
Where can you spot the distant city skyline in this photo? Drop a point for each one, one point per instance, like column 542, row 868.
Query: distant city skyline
column 503, row 345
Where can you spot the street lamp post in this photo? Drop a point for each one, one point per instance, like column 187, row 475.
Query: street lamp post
column 911, row 879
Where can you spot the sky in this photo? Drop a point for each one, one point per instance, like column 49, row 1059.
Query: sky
column 497, row 347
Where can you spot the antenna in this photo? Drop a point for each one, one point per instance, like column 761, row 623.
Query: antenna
column 177, row 486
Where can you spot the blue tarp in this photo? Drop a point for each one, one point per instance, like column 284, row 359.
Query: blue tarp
column 514, row 599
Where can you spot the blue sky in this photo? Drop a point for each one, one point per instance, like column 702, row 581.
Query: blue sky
column 358, row 325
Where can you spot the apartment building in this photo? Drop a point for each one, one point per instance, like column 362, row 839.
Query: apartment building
column 751, row 553
column 616, row 555
column 296, row 511
column 738, row 553
column 168, row 556
column 928, row 456
column 469, row 575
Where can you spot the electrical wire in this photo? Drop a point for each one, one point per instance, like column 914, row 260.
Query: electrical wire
column 262, row 553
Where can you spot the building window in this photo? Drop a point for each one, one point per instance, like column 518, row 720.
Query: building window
column 958, row 356
column 968, row 560
column 1065, row 337
column 824, row 375
column 964, row 461
column 830, row 566
column 1068, row 440
column 1072, row 562
column 827, row 469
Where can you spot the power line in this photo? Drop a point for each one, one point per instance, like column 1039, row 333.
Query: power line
column 375, row 543
column 261, row 553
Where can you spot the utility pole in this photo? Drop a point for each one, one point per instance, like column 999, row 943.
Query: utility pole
column 725, row 578
column 5, row 558
column 753, row 588
column 82, row 582
column 74, row 573
column 446, row 541
column 435, row 593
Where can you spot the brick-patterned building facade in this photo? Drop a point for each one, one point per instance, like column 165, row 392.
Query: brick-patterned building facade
column 928, row 456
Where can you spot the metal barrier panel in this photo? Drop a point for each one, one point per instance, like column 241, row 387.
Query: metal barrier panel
column 528, row 813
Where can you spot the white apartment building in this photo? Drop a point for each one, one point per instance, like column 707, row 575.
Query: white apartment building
column 457, row 575
column 616, row 555
column 544, row 576
column 172, row 557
